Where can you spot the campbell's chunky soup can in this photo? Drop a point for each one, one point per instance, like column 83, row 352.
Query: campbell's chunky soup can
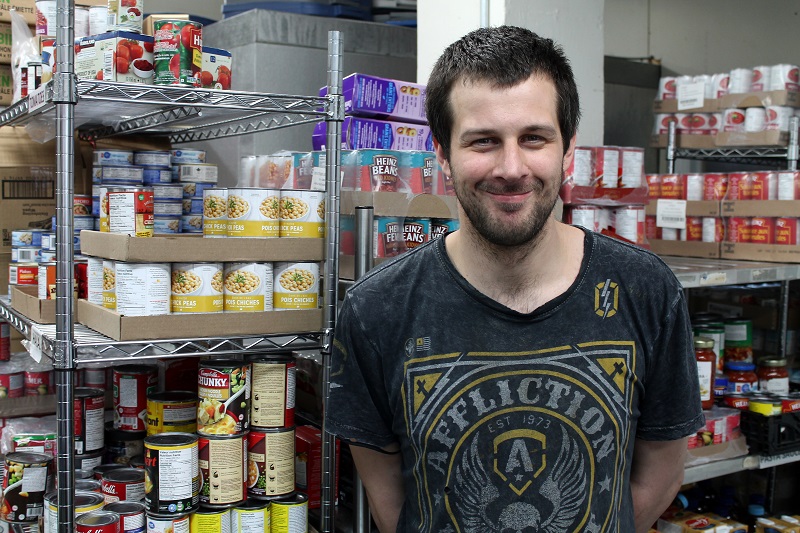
column 248, row 287
column 172, row 476
column 273, row 391
column 132, row 384
column 26, row 478
column 197, row 288
column 223, row 392
column 296, row 286
column 223, row 464
column 178, row 52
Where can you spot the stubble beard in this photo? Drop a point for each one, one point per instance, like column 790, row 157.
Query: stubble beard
column 498, row 234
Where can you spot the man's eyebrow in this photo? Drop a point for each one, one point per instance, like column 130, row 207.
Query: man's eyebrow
column 488, row 132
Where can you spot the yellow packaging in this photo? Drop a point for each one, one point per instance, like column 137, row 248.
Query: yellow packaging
column 775, row 525
column 109, row 285
column 290, row 514
column 296, row 286
column 302, row 214
column 248, row 287
column 253, row 212
column 197, row 288
column 210, row 521
column 215, row 212
column 171, row 412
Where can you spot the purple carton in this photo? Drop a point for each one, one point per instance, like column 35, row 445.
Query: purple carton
column 358, row 133
column 371, row 96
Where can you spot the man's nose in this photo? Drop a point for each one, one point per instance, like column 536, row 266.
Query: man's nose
column 511, row 164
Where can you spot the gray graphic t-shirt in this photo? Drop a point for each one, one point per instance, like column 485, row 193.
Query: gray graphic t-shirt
column 515, row 422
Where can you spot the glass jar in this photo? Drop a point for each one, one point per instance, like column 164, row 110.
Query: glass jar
column 706, row 369
column 773, row 376
column 741, row 377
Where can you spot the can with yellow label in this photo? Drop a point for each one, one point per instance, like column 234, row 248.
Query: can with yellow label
column 253, row 212
column 215, row 212
column 171, row 412
column 109, row 284
column 296, row 286
column 248, row 287
column 197, row 288
column 302, row 214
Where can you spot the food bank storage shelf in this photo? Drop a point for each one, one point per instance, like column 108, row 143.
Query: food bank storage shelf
column 18, row 321
column 693, row 474
column 692, row 272
column 748, row 156
column 184, row 114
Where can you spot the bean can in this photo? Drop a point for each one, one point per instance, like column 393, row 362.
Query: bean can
column 171, row 412
column 253, row 212
column 89, row 408
column 252, row 515
column 289, row 514
column 124, row 484
column 177, row 52
column 273, row 392
column 168, row 524
column 223, row 388
column 172, row 478
column 270, row 463
column 26, row 479
column 130, row 212
column 142, row 288
column 197, row 288
column 131, row 516
column 215, row 212
column 211, row 521
column 85, row 502
column 132, row 384
column 302, row 214
column 223, row 463
column 97, row 522
column 248, row 287
column 296, row 286
column 109, row 284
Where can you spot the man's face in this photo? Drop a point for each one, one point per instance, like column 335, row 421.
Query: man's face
column 506, row 157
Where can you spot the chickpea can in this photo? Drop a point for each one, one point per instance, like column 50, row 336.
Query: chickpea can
column 223, row 392
column 248, row 287
column 143, row 288
column 215, row 212
column 109, row 284
column 253, row 212
column 197, row 288
column 296, row 286
column 302, row 214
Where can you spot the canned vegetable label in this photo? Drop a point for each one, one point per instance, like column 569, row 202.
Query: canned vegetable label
column 125, row 15
column 131, row 212
column 248, row 287
column 270, row 463
column 302, row 214
column 211, row 521
column 172, row 476
column 296, row 286
column 142, row 288
column 12, row 383
column 253, row 515
column 290, row 515
column 273, row 392
column 224, row 398
column 197, row 288
column 25, row 480
column 226, row 459
column 109, row 284
column 253, row 212
column 178, row 52
column 215, row 212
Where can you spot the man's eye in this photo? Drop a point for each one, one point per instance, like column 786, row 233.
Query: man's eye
column 482, row 142
column 532, row 139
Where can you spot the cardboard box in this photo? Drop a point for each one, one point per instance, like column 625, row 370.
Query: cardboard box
column 5, row 43
column 115, row 56
column 181, row 248
column 28, row 200
column 384, row 98
column 6, row 85
column 308, row 461
column 29, row 406
column 184, row 326
column 710, row 105
column 685, row 141
column 773, row 253
column 761, row 99
column 215, row 70
column 694, row 208
column 760, row 208
column 705, row 250
column 26, row 8
column 25, row 300
column 760, row 138
column 396, row 204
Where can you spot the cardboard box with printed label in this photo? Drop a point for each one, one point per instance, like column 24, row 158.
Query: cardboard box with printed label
column 28, row 199
column 115, row 56
column 6, row 85
column 26, row 8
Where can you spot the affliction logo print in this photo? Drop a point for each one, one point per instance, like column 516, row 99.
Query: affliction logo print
column 521, row 442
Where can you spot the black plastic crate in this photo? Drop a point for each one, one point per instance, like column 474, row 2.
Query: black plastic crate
column 771, row 435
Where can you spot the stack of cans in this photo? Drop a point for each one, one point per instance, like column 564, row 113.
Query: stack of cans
column 189, row 168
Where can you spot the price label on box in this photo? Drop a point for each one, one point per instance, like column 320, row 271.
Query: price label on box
column 671, row 213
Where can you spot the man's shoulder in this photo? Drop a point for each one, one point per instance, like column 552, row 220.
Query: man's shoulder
column 633, row 262
column 400, row 273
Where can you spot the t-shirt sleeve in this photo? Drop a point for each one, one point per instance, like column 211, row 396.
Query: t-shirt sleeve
column 671, row 408
column 358, row 404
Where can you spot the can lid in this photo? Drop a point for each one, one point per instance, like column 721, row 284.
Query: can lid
column 124, row 474
column 207, row 511
column 125, row 508
column 271, row 358
column 252, row 505
column 88, row 392
column 28, row 458
column 772, row 362
column 170, row 439
column 103, row 469
column 703, row 342
column 85, row 498
column 97, row 518
column 298, row 498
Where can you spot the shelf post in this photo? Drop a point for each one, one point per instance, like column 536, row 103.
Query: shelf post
column 792, row 149
column 65, row 97
column 671, row 148
column 333, row 154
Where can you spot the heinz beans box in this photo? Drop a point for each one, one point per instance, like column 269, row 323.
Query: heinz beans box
column 358, row 133
column 371, row 96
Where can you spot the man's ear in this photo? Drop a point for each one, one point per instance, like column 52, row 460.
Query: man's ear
column 443, row 162
column 569, row 155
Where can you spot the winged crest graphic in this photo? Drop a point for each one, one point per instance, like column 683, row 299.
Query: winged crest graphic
column 563, row 490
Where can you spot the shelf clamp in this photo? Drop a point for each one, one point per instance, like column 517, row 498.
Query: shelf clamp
column 327, row 341
column 336, row 108
column 65, row 88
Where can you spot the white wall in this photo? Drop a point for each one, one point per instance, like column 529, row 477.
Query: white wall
column 211, row 9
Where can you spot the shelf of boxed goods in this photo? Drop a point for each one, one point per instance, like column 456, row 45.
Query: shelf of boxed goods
column 693, row 474
column 184, row 114
column 696, row 272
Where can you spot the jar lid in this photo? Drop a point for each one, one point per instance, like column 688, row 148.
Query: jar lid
column 772, row 362
column 703, row 342
column 741, row 367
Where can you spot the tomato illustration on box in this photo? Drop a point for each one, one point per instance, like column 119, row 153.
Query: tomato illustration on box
column 215, row 70
column 115, row 56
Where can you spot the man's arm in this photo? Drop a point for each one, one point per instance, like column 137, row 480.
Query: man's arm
column 383, row 480
column 656, row 477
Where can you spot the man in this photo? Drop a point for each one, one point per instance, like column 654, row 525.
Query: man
column 519, row 374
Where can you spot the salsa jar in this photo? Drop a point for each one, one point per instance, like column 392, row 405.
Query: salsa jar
column 706, row 369
column 741, row 377
column 773, row 376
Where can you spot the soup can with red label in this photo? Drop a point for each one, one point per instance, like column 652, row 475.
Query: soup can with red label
column 97, row 522
column 672, row 187
column 762, row 230
column 223, row 391
column 124, row 484
column 740, row 186
column 223, row 467
column 89, row 408
column 130, row 211
column 132, row 384
column 738, row 229
column 40, row 381
column 764, row 186
column 12, row 382
column 786, row 231
column 270, row 463
column 715, row 185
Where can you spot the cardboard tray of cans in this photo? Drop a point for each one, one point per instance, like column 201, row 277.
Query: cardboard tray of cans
column 704, row 250
column 398, row 204
column 702, row 142
column 710, row 105
column 25, row 300
column 29, row 405
column 757, row 138
column 761, row 99
column 189, row 325
column 775, row 253
column 694, row 208
column 190, row 248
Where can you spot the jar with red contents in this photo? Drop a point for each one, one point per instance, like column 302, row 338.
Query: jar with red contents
column 741, row 377
column 773, row 375
column 706, row 369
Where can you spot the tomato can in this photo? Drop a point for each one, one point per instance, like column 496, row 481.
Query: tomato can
column 740, row 186
column 143, row 289
column 88, row 409
column 197, row 288
column 762, row 230
column 733, row 120
column 81, row 272
column 715, row 185
column 223, row 390
column 97, row 522
column 125, row 15
column 172, row 478
column 215, row 212
column 109, row 284
column 653, row 185
column 171, row 412
column 177, row 52
column 694, row 229
column 168, row 524
column 252, row 515
column 248, row 287
column 290, row 514
column 738, row 229
column 693, row 186
column 122, row 446
column 130, row 212
column 124, row 484
column 790, row 403
column 786, row 231
column 270, row 463
column 23, row 274
column 764, row 186
column 85, row 502
column 713, row 229
column 26, row 478
column 210, row 521
column 132, row 384
column 296, row 286
column 629, row 223
column 5, row 341
column 736, row 401
column 672, row 187
column 254, row 212
column 302, row 214
column 651, row 229
column 39, row 381
column 131, row 516
column 223, row 466
column 273, row 391
column 12, row 382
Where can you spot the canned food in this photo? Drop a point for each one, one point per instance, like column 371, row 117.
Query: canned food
column 25, row 255
column 132, row 384
column 89, row 408
column 416, row 232
column 211, row 520
column 713, row 229
column 738, row 229
column 82, row 205
column 224, row 397
column 273, row 391
column 215, row 212
column 693, row 186
column 39, row 382
column 172, row 477
column 388, row 236
column 762, row 230
column 289, row 514
column 248, row 287
column 270, row 463
column 177, row 52
column 109, row 284
column 172, row 208
column 167, row 192
column 192, row 206
column 130, row 212
column 248, row 169
column 192, row 223
column 83, row 474
column 442, row 226
column 253, row 212
column 46, row 257
column 296, row 286
column 88, row 461
column 167, row 224
column 12, row 382
column 104, row 190
column 171, row 412
column 125, row 15
column 46, row 279
column 5, row 342
column 786, row 231
column 131, row 516
column 168, row 524
column 225, row 457
column 189, row 156
column 23, row 274
column 191, row 190
column 694, row 229
column 764, row 185
column 765, row 406
column 85, row 502
column 83, row 222
column 96, row 375
column 113, row 157
column 302, row 214
column 790, row 403
column 97, row 522
column 109, row 174
column 122, row 446
column 26, row 478
column 124, row 484
column 89, row 485
column 198, row 173
column 252, row 515
column 137, row 462
column 156, row 176
column 152, row 158
column 30, row 237
column 143, row 288
column 100, row 470
column 197, row 288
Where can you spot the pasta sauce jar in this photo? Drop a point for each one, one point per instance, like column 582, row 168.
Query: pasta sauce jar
column 706, row 369
column 773, row 375
column 741, row 377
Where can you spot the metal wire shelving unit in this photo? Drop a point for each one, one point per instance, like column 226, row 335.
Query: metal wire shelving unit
column 99, row 109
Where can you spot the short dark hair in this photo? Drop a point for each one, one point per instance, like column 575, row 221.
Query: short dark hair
column 504, row 56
